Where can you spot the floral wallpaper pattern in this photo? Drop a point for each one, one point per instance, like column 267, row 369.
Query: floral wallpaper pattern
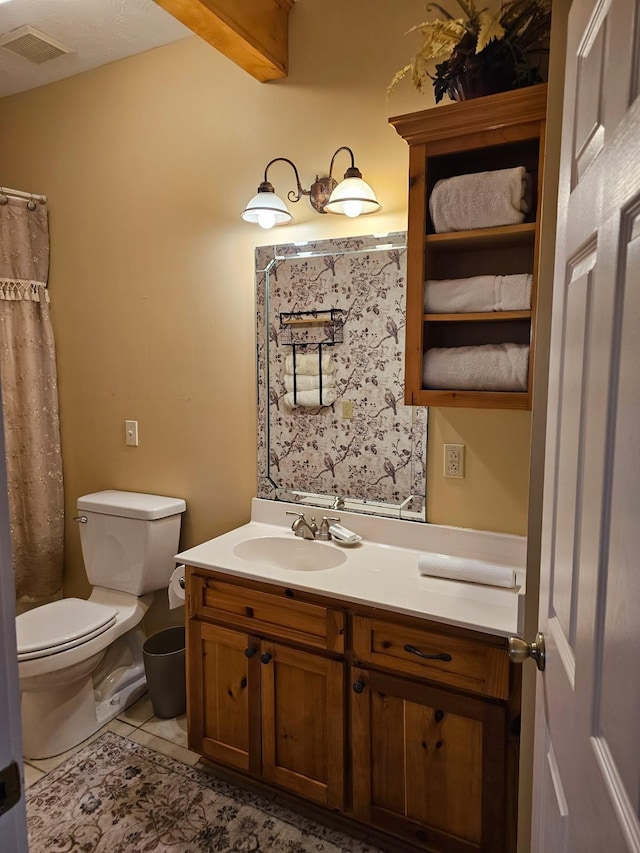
column 379, row 454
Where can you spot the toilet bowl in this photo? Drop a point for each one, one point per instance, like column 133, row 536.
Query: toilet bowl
column 80, row 662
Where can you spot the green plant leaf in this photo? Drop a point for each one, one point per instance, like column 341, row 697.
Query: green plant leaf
column 489, row 28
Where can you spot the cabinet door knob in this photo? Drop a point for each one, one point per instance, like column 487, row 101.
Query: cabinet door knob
column 265, row 657
column 250, row 652
column 358, row 687
column 445, row 656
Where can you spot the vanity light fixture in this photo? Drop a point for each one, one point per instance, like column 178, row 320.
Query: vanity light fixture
column 351, row 197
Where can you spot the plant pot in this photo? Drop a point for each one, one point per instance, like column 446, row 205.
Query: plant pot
column 476, row 81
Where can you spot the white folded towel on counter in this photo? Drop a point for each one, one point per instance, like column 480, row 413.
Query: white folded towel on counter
column 309, row 399
column 465, row 569
column 304, row 382
column 490, row 367
column 478, row 293
column 480, row 200
column 308, row 363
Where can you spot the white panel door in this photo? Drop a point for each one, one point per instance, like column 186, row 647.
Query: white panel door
column 587, row 764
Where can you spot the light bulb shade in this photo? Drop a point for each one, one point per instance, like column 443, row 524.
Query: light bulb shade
column 266, row 209
column 353, row 197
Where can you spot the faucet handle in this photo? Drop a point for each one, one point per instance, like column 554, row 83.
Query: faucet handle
column 299, row 519
column 324, row 533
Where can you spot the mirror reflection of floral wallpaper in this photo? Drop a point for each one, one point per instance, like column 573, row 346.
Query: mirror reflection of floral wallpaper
column 379, row 454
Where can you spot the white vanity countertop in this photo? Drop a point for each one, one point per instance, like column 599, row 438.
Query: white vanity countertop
column 382, row 572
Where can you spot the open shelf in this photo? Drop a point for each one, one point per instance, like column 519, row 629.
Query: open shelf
column 481, row 316
column 485, row 238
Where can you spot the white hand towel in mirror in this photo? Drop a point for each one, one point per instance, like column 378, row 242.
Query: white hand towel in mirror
column 478, row 293
column 310, row 399
column 308, row 363
column 480, row 200
column 305, row 382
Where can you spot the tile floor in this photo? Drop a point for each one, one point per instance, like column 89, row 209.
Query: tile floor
column 138, row 723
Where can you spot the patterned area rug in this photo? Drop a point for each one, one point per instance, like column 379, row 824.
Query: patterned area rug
column 116, row 796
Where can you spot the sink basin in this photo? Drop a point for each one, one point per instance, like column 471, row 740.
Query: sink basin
column 302, row 555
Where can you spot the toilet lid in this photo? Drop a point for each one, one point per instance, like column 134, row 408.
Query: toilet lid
column 61, row 625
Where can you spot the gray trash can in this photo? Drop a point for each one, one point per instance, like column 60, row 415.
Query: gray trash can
column 164, row 666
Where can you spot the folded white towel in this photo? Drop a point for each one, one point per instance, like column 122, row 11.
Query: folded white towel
column 490, row 367
column 308, row 363
column 465, row 569
column 478, row 293
column 304, row 382
column 480, row 200
column 310, row 399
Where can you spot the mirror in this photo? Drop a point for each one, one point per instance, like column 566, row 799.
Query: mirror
column 332, row 313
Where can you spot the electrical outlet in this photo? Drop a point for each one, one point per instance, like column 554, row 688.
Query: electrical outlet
column 131, row 433
column 454, row 460
column 347, row 409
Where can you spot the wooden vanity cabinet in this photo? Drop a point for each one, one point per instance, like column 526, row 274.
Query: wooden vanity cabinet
column 432, row 761
column 256, row 702
column 419, row 719
column 484, row 134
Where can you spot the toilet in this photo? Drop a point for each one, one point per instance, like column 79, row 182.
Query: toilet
column 80, row 662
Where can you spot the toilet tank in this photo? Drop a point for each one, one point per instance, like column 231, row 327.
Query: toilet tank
column 129, row 539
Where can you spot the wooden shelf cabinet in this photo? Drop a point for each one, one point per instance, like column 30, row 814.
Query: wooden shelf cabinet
column 422, row 749
column 495, row 132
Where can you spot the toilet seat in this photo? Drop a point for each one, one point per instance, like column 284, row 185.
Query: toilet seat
column 61, row 625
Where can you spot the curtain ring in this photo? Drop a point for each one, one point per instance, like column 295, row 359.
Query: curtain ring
column 3, row 197
column 31, row 205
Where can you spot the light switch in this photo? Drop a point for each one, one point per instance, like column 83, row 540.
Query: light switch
column 131, row 433
column 347, row 409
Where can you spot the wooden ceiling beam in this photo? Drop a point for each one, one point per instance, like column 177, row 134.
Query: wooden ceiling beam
column 252, row 33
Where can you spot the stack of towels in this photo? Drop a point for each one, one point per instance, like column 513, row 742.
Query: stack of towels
column 481, row 200
column 478, row 293
column 466, row 569
column 304, row 373
column 490, row 367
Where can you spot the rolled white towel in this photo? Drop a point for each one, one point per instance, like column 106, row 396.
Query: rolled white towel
column 478, row 293
column 480, row 200
column 490, row 367
column 308, row 363
column 304, row 382
column 465, row 569
column 310, row 399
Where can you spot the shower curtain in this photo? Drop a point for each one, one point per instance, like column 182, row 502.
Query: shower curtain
column 30, row 401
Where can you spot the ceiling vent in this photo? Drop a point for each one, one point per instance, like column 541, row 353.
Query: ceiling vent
column 33, row 45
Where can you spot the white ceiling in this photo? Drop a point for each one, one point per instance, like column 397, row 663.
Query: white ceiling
column 98, row 31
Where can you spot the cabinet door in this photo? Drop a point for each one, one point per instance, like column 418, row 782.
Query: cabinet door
column 303, row 723
column 428, row 765
column 223, row 700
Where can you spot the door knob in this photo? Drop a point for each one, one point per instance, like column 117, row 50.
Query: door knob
column 520, row 650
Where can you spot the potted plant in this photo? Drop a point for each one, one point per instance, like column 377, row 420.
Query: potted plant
column 484, row 52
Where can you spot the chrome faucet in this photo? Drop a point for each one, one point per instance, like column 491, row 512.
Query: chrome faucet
column 303, row 528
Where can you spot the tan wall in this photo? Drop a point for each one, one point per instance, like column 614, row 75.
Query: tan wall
column 147, row 163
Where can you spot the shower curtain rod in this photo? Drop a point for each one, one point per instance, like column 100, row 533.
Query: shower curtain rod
column 20, row 194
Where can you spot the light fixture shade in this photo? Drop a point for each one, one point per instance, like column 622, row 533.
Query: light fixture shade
column 266, row 209
column 353, row 197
